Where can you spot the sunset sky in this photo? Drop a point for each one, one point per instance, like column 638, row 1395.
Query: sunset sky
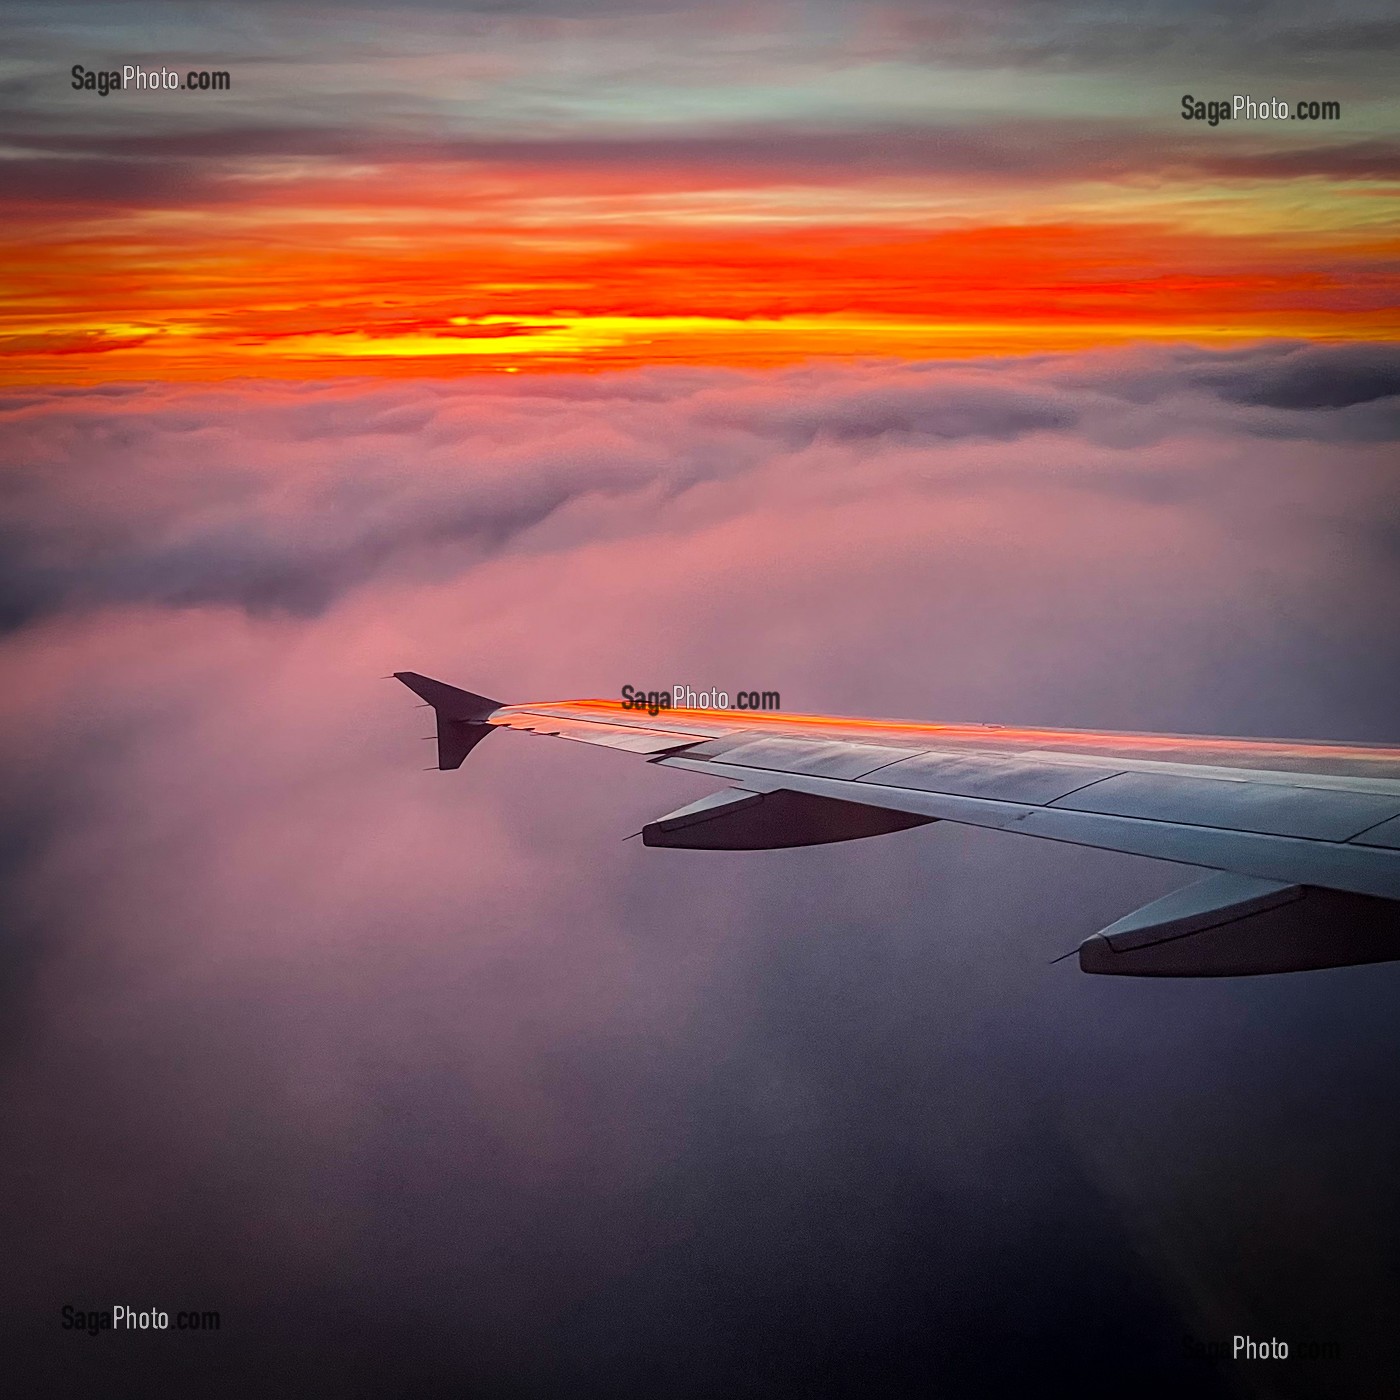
column 911, row 359
column 454, row 189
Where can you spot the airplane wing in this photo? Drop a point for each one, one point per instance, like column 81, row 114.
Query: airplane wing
column 1297, row 845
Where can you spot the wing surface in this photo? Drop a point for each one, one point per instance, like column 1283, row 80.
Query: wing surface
column 1303, row 837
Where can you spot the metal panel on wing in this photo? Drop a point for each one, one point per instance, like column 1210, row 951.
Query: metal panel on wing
column 1316, row 813
column 1387, row 835
column 1004, row 779
column 837, row 759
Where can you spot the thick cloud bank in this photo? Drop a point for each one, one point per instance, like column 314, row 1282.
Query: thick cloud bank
column 432, row 1085
column 283, row 499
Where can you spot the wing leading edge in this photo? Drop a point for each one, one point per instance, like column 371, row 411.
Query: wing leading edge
column 1303, row 839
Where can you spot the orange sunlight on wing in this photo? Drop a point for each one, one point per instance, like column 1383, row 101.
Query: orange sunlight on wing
column 1281, row 754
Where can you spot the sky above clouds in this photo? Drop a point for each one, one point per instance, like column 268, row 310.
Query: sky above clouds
column 412, row 189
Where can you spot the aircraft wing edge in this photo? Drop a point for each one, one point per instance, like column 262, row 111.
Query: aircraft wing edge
column 1300, row 870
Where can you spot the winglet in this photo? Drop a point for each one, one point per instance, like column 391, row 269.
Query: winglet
column 447, row 699
column 461, row 716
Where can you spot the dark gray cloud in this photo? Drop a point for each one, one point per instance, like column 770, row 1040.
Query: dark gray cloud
column 1196, row 39
column 1333, row 160
column 103, row 167
column 916, row 406
column 1310, row 377
column 571, row 86
column 1087, row 34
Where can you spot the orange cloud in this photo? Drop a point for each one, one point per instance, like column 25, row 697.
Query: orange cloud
column 431, row 269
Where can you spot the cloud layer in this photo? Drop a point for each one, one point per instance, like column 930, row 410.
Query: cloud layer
column 432, row 1083
column 284, row 499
